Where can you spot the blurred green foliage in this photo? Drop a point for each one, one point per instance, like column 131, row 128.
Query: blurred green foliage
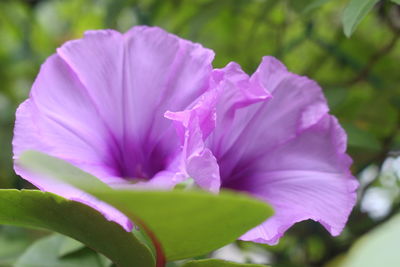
column 360, row 75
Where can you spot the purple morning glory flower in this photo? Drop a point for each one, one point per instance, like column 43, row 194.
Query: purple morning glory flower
column 105, row 103
column 99, row 102
column 270, row 135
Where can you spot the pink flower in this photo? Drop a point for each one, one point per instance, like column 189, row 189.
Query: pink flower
column 270, row 135
column 105, row 103
column 99, row 103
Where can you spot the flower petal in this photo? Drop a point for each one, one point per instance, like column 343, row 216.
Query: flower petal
column 133, row 79
column 59, row 119
column 296, row 103
column 306, row 178
column 286, row 149
column 99, row 103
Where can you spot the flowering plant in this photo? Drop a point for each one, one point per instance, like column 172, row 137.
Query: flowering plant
column 187, row 145
column 121, row 122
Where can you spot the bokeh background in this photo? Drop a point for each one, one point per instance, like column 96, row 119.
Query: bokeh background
column 360, row 77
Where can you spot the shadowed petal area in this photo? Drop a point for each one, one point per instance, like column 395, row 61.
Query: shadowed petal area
column 296, row 103
column 99, row 104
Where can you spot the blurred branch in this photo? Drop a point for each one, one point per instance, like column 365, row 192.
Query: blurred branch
column 341, row 56
column 374, row 59
column 323, row 58
column 385, row 50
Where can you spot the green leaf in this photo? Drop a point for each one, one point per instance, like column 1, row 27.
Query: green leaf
column 396, row 1
column 355, row 11
column 378, row 248
column 186, row 223
column 218, row 263
column 192, row 223
column 44, row 253
column 33, row 208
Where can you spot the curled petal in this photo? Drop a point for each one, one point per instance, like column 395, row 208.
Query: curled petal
column 194, row 125
column 216, row 107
